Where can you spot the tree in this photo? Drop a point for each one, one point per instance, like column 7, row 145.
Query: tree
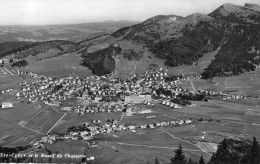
column 156, row 161
column 222, row 155
column 190, row 161
column 201, row 161
column 20, row 63
column 179, row 157
column 254, row 155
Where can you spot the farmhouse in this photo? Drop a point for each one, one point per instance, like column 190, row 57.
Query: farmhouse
column 7, row 105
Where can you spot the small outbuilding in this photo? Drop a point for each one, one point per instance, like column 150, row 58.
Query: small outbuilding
column 7, row 105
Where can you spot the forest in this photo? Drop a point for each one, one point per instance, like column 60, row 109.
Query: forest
column 101, row 62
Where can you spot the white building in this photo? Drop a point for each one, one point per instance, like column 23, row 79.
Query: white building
column 7, row 105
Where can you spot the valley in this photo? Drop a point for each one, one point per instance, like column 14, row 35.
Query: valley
column 131, row 92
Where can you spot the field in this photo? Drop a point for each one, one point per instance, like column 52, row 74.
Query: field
column 245, row 84
column 25, row 122
column 229, row 119
column 61, row 66
column 143, row 146
column 9, row 81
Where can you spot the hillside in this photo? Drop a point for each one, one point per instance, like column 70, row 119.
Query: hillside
column 241, row 51
column 175, row 40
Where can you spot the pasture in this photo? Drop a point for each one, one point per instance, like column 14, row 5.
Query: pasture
column 25, row 122
column 61, row 66
column 9, row 81
column 244, row 84
column 43, row 120
column 142, row 148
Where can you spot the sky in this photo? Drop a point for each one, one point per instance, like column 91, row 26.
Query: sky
column 46, row 12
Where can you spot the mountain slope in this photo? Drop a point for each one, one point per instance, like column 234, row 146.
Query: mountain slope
column 177, row 40
column 241, row 51
column 236, row 14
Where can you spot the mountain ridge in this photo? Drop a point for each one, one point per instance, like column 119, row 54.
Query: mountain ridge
column 182, row 40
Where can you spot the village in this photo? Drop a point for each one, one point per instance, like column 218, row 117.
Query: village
column 104, row 95
column 141, row 88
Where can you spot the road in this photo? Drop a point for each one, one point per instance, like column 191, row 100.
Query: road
column 134, row 69
column 226, row 87
column 192, row 85
column 122, row 116
column 36, row 114
column 56, row 123
column 187, row 142
column 167, row 115
column 32, row 130
column 54, row 108
column 244, row 110
column 159, row 147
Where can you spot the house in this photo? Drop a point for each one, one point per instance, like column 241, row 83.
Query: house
column 7, row 105
column 143, row 126
column 151, row 126
column 188, row 121
column 138, row 99
column 86, row 137
column 131, row 127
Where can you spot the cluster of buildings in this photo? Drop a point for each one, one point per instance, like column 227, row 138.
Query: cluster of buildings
column 87, row 132
column 139, row 88
column 6, row 71
column 55, row 90
column 104, row 107
column 171, row 104
column 223, row 96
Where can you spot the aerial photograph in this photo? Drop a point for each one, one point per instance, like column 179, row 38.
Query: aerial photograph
column 130, row 81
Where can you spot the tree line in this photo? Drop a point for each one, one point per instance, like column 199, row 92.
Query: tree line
column 229, row 151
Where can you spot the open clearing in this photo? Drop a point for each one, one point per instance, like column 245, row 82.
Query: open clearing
column 197, row 69
column 244, row 84
column 61, row 66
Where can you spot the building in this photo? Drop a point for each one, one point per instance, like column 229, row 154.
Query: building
column 4, row 61
column 7, row 105
column 137, row 99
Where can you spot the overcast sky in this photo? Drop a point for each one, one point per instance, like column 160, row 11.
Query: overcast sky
column 43, row 12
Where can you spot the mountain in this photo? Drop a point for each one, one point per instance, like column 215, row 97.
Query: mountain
column 171, row 40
